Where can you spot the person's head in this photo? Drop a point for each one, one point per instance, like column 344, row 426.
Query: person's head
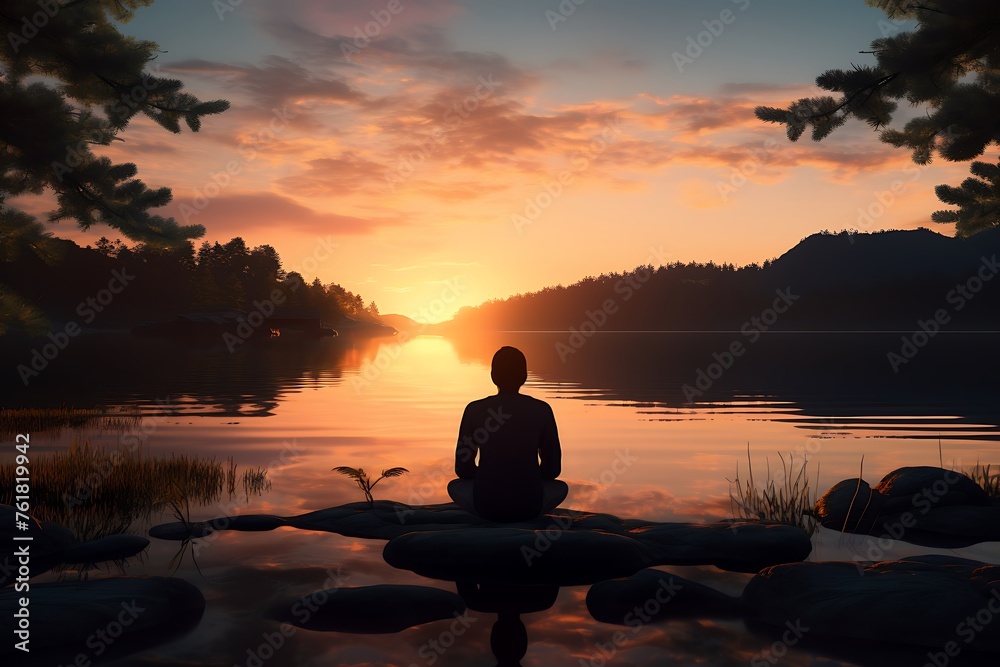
column 510, row 369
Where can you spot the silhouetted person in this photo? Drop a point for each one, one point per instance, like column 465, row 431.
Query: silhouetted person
column 518, row 445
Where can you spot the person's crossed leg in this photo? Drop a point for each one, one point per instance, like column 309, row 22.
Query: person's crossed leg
column 554, row 491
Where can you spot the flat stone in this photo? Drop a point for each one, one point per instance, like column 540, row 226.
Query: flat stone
column 514, row 555
column 507, row 598
column 385, row 608
column 112, row 547
column 923, row 600
column 66, row 616
column 626, row 545
column 61, row 535
column 653, row 595
column 736, row 546
column 52, row 545
column 247, row 522
column 180, row 531
column 47, row 548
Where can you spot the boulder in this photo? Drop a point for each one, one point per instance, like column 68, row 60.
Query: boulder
column 179, row 531
column 518, row 556
column 507, row 598
column 923, row 505
column 625, row 545
column 736, row 546
column 377, row 609
column 653, row 595
column 101, row 617
column 112, row 547
column 247, row 522
column 47, row 547
column 924, row 600
column 52, row 545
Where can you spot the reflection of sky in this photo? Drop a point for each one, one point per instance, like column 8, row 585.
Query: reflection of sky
column 405, row 412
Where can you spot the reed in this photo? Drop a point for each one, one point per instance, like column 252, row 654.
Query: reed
column 985, row 476
column 95, row 491
column 785, row 497
column 35, row 420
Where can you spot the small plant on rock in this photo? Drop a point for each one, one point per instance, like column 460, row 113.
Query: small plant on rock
column 364, row 482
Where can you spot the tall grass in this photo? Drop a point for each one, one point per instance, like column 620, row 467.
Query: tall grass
column 96, row 492
column 785, row 496
column 985, row 476
column 34, row 420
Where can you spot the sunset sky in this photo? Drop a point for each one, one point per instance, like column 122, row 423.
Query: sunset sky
column 415, row 152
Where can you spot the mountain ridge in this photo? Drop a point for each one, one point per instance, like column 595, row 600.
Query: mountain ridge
column 848, row 281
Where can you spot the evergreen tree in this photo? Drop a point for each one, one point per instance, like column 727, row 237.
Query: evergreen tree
column 94, row 82
column 949, row 64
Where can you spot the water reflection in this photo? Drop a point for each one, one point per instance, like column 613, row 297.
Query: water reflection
column 809, row 380
column 208, row 380
column 509, row 637
column 618, row 391
column 817, row 382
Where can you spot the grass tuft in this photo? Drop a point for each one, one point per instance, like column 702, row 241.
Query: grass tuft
column 785, row 497
column 985, row 476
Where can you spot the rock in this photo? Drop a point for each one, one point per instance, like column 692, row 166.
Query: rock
column 377, row 609
column 947, row 486
column 507, row 598
column 53, row 545
column 61, row 536
column 740, row 546
column 180, row 531
column 66, row 618
column 518, row 556
column 652, row 595
column 247, row 522
column 850, row 506
column 112, row 547
column 384, row 519
column 47, row 548
column 924, row 600
column 923, row 505
column 736, row 546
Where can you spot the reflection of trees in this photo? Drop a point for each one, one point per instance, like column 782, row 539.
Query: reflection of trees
column 823, row 375
column 119, row 368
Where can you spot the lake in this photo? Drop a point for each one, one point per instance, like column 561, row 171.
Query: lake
column 673, row 410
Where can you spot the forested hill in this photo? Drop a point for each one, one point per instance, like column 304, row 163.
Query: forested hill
column 115, row 286
column 881, row 281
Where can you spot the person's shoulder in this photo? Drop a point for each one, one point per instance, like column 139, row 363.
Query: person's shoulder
column 537, row 403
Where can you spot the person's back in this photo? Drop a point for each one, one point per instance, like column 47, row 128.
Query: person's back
column 517, row 442
column 511, row 432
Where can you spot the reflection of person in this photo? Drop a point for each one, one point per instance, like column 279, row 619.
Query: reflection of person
column 518, row 445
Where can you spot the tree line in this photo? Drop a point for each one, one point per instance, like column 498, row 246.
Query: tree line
column 52, row 284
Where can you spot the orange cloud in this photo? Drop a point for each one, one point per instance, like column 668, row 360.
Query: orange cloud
column 238, row 214
column 326, row 177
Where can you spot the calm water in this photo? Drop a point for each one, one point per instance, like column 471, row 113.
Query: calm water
column 301, row 409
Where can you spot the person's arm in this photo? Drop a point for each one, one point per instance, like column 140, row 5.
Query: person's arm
column 549, row 453
column 465, row 452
